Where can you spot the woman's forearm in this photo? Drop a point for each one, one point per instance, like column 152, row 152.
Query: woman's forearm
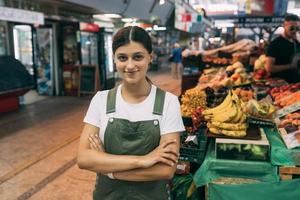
column 102, row 162
column 156, row 172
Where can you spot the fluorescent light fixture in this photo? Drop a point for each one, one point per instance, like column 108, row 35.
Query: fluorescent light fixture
column 127, row 20
column 157, row 28
column 161, row 2
column 131, row 24
column 112, row 15
column 102, row 18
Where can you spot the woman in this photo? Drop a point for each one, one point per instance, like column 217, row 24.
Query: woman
column 131, row 135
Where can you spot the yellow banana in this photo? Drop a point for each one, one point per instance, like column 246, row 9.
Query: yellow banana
column 228, row 126
column 234, row 133
column 227, row 101
column 226, row 115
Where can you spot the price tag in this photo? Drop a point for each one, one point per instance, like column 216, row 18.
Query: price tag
column 287, row 110
column 192, row 138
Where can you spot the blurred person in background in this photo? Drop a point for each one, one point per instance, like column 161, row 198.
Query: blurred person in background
column 281, row 51
column 176, row 61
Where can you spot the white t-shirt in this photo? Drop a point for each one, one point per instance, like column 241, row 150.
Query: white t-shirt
column 170, row 121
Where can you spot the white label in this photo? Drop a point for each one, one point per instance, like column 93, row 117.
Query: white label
column 192, row 138
column 180, row 167
column 287, row 110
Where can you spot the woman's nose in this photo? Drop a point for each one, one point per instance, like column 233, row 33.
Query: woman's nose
column 130, row 64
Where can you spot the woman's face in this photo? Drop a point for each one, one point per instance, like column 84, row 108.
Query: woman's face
column 132, row 61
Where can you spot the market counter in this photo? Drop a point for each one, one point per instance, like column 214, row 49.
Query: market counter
column 213, row 168
column 266, row 184
column 287, row 190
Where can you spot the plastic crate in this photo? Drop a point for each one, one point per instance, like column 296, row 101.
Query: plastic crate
column 195, row 154
column 192, row 155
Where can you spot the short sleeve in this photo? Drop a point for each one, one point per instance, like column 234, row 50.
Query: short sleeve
column 93, row 114
column 171, row 121
column 271, row 50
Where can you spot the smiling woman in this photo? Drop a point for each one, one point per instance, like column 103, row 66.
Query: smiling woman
column 131, row 136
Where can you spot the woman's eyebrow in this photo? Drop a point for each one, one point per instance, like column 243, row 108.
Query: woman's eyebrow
column 134, row 53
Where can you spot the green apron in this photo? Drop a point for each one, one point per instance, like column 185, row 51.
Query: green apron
column 123, row 137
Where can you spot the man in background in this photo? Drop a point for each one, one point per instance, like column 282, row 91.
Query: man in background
column 281, row 51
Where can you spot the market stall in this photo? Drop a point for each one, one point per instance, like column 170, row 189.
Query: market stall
column 250, row 124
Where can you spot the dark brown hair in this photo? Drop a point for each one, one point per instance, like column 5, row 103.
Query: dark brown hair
column 132, row 33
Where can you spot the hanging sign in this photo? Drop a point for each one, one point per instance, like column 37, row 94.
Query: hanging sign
column 249, row 22
column 19, row 15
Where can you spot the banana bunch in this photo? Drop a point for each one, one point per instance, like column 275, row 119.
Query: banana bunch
column 227, row 118
column 191, row 100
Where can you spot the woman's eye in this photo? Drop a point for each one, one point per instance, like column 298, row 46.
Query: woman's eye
column 138, row 57
column 122, row 58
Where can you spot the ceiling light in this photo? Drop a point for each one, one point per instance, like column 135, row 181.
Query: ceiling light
column 161, row 2
column 102, row 18
column 112, row 15
column 127, row 20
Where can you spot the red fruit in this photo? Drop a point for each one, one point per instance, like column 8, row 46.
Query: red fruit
column 261, row 72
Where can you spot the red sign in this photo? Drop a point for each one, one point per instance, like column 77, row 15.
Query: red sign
column 89, row 27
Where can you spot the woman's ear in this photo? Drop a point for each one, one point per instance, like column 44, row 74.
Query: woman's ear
column 151, row 57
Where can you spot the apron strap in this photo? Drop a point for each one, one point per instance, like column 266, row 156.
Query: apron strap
column 159, row 102
column 111, row 101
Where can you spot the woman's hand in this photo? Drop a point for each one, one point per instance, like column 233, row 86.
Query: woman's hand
column 95, row 143
column 163, row 154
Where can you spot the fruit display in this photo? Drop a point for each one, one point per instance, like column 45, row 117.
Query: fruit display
column 285, row 95
column 244, row 94
column 216, row 61
column 237, row 74
column 288, row 99
column 290, row 121
column 191, row 100
column 260, row 71
column 227, row 118
column 232, row 75
column 257, row 109
column 260, row 62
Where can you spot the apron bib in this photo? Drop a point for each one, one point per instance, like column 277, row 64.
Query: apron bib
column 123, row 137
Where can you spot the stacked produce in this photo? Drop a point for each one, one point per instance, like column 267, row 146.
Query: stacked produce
column 260, row 71
column 232, row 75
column 227, row 118
column 191, row 100
column 215, row 61
column 237, row 74
column 292, row 120
column 244, row 94
column 261, row 110
column 285, row 95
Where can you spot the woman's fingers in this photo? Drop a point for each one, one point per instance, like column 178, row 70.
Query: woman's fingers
column 166, row 161
column 171, row 157
column 171, row 151
column 94, row 140
column 92, row 147
column 92, row 144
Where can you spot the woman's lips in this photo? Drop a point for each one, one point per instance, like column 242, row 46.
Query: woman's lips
column 130, row 72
